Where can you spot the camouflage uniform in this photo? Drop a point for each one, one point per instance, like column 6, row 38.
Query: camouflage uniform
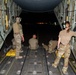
column 45, row 47
column 52, row 45
column 17, row 30
column 64, row 48
column 33, row 44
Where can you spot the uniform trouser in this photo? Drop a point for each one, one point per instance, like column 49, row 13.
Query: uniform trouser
column 63, row 50
column 17, row 39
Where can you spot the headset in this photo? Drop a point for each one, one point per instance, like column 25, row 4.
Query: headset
column 64, row 24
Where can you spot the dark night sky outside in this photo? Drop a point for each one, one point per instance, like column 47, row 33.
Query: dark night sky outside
column 44, row 32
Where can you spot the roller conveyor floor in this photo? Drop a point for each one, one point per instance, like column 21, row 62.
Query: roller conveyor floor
column 37, row 62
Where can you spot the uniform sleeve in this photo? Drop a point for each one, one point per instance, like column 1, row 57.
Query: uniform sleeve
column 59, row 34
column 21, row 32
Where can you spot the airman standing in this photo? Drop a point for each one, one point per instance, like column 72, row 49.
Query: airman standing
column 18, row 36
column 64, row 46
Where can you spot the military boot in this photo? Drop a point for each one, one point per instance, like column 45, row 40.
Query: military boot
column 64, row 70
column 54, row 65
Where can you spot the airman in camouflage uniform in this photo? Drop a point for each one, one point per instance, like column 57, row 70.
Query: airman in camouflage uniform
column 18, row 36
column 51, row 46
column 33, row 43
column 64, row 46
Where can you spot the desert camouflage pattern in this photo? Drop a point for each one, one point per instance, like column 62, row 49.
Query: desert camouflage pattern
column 51, row 46
column 18, row 33
column 17, row 44
column 33, row 44
column 17, row 28
column 64, row 49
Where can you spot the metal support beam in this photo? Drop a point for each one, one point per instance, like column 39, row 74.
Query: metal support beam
column 8, row 12
column 66, row 11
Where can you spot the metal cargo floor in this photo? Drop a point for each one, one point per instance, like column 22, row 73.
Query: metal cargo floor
column 37, row 62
